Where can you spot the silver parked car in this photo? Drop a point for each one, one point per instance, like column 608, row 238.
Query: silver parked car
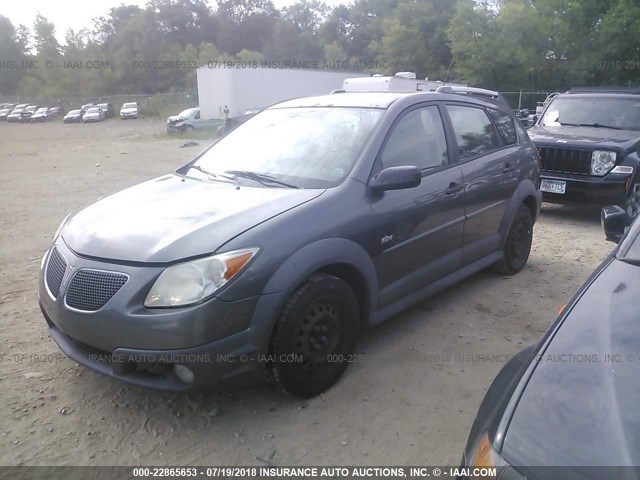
column 94, row 114
column 74, row 116
column 41, row 115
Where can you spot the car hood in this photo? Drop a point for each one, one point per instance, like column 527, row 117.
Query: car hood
column 580, row 407
column 175, row 119
column 172, row 217
column 584, row 137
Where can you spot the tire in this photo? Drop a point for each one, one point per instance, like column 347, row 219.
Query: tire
column 315, row 333
column 632, row 205
column 518, row 243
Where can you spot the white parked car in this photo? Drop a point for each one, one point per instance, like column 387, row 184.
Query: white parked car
column 130, row 110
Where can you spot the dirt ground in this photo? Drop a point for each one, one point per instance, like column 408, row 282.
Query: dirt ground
column 411, row 403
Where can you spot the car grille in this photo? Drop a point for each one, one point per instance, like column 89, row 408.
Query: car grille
column 90, row 290
column 565, row 160
column 55, row 272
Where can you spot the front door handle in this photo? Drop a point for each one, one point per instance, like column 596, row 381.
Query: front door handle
column 454, row 188
column 508, row 168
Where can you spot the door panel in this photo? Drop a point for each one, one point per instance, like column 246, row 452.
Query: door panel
column 489, row 170
column 420, row 234
column 489, row 185
column 418, row 230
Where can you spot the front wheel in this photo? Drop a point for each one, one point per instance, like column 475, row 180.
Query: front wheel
column 518, row 244
column 314, row 336
column 633, row 202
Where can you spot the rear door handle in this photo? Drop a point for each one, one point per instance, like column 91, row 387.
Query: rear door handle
column 454, row 188
column 508, row 168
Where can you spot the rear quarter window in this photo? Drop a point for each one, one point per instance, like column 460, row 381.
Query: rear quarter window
column 505, row 126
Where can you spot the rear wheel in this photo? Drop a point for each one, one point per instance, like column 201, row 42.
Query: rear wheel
column 518, row 244
column 314, row 335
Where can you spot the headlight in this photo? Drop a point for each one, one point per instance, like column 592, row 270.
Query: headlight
column 485, row 462
column 602, row 162
column 483, row 455
column 55, row 236
column 191, row 282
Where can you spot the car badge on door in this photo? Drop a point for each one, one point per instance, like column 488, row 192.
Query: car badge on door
column 386, row 239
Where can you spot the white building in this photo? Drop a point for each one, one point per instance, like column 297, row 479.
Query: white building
column 249, row 88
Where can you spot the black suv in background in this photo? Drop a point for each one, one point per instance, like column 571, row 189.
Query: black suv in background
column 275, row 247
column 588, row 140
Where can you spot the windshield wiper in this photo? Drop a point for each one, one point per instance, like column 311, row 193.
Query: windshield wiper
column 214, row 176
column 596, row 125
column 262, row 178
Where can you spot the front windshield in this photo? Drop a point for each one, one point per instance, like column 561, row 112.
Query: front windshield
column 305, row 147
column 189, row 112
column 74, row 112
column 129, row 105
column 93, row 110
column 622, row 113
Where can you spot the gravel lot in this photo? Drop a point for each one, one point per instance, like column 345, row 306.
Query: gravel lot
column 411, row 402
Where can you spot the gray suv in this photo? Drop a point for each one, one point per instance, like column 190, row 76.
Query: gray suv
column 269, row 253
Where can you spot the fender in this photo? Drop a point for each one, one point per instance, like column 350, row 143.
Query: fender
column 296, row 269
column 319, row 254
column 525, row 189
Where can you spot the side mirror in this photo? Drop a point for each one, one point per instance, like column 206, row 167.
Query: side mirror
column 396, row 178
column 614, row 221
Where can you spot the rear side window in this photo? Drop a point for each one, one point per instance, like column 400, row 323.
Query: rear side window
column 473, row 130
column 504, row 124
column 418, row 140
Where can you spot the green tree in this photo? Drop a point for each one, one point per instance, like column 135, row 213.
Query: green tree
column 11, row 50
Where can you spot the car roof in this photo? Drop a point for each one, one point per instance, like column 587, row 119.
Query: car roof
column 598, row 95
column 383, row 100
column 611, row 90
column 349, row 99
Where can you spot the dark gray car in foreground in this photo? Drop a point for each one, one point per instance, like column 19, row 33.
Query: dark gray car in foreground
column 567, row 407
column 270, row 252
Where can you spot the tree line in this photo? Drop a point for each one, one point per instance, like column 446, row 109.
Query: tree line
column 505, row 45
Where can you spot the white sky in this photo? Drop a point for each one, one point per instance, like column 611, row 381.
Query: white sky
column 78, row 14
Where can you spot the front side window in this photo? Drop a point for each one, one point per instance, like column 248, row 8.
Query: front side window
column 305, row 147
column 473, row 131
column 418, row 140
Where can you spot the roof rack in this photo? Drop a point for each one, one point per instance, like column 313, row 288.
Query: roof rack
column 481, row 92
column 468, row 90
column 627, row 90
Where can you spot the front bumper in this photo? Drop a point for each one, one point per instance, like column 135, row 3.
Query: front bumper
column 219, row 342
column 609, row 190
column 176, row 127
